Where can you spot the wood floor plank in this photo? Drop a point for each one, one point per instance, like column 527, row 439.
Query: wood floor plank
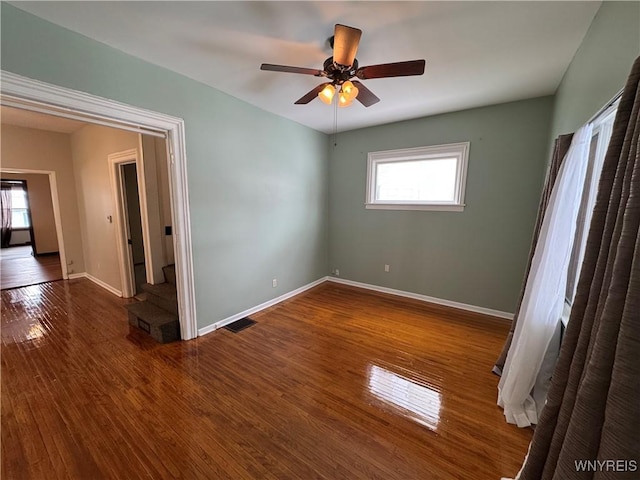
column 19, row 268
column 336, row 383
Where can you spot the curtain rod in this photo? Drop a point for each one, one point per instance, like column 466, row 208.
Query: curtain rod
column 615, row 98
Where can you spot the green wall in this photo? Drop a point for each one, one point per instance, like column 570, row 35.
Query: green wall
column 477, row 256
column 600, row 67
column 257, row 182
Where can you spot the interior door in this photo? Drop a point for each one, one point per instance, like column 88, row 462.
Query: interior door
column 134, row 224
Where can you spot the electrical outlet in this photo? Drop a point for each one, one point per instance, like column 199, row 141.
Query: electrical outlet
column 337, row 272
column 274, row 282
column 387, row 268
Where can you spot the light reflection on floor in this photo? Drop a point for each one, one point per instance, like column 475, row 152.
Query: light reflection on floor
column 35, row 332
column 419, row 402
column 30, row 304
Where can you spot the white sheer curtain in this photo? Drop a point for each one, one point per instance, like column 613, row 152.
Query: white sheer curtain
column 545, row 289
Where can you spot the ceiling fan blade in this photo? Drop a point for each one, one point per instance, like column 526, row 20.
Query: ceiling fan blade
column 385, row 70
column 287, row 69
column 345, row 44
column 311, row 95
column 365, row 96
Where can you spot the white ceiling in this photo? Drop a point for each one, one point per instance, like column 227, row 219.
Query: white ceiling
column 478, row 53
column 27, row 119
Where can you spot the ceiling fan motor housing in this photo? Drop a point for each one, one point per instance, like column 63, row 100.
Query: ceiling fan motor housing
column 339, row 73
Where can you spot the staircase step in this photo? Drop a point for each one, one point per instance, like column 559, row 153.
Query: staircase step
column 163, row 295
column 170, row 273
column 163, row 326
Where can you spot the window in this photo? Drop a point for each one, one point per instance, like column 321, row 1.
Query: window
column 18, row 203
column 423, row 178
column 600, row 136
column 19, row 208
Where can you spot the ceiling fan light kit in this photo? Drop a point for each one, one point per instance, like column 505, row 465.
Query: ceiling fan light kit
column 348, row 93
column 327, row 93
column 342, row 67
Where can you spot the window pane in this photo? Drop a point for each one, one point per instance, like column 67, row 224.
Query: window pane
column 420, row 181
column 18, row 198
column 19, row 218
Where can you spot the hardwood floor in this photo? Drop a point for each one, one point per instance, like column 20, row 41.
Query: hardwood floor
column 19, row 268
column 337, row 383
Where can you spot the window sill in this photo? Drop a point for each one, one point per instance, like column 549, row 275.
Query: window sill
column 407, row 206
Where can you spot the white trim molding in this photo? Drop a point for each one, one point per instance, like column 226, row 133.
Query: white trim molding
column 73, row 276
column 257, row 308
column 405, row 206
column 97, row 281
column 22, row 92
column 425, row 298
column 366, row 286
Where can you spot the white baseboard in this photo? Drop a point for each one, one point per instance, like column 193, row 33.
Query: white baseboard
column 367, row 286
column 257, row 308
column 425, row 298
column 97, row 281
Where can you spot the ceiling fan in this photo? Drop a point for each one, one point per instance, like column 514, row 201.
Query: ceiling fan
column 343, row 66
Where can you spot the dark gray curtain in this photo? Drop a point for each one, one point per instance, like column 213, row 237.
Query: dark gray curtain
column 593, row 405
column 5, row 210
column 560, row 149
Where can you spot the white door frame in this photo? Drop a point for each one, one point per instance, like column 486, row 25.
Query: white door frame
column 127, row 276
column 117, row 160
column 56, row 210
column 22, row 92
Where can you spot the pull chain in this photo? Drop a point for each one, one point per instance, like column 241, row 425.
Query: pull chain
column 335, row 123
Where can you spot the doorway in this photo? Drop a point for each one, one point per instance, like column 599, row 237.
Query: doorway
column 133, row 224
column 131, row 241
column 28, row 94
column 30, row 252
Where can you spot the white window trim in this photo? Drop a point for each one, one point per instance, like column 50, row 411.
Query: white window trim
column 458, row 150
